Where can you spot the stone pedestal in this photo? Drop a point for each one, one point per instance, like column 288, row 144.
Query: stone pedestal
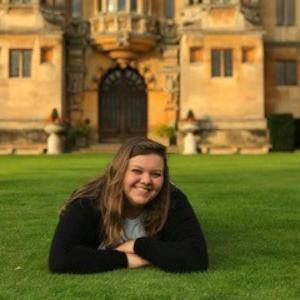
column 189, row 140
column 55, row 143
column 189, row 144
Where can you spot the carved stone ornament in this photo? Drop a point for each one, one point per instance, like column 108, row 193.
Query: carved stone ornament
column 77, row 29
column 172, row 83
column 169, row 32
column 75, row 82
column 251, row 10
column 123, row 39
column 192, row 14
column 53, row 14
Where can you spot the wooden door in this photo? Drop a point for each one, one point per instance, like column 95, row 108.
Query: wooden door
column 123, row 105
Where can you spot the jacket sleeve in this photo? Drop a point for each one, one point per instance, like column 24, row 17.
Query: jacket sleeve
column 182, row 246
column 74, row 248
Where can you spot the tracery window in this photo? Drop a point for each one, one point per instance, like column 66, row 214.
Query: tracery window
column 53, row 3
column 133, row 5
column 16, row 2
column 121, row 5
column 111, row 7
column 169, row 8
column 192, row 2
column 285, row 12
column 286, row 72
column 220, row 2
column 76, row 8
column 126, row 5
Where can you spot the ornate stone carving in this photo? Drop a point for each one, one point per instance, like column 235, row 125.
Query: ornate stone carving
column 169, row 32
column 75, row 82
column 251, row 11
column 77, row 29
column 148, row 75
column 76, row 37
column 124, row 37
column 192, row 14
column 53, row 14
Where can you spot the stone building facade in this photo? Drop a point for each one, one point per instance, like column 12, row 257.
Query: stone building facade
column 132, row 66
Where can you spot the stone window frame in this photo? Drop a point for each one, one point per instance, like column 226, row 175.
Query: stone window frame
column 221, row 2
column 285, row 12
column 76, row 9
column 129, row 6
column 196, row 54
column 286, row 72
column 19, row 2
column 222, row 62
column 169, row 9
column 51, row 3
column 248, row 54
column 47, row 55
column 193, row 2
column 20, row 63
column 133, row 5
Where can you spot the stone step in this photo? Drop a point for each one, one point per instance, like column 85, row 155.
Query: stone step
column 113, row 148
column 6, row 149
column 240, row 149
column 99, row 148
column 22, row 149
column 222, row 150
column 264, row 149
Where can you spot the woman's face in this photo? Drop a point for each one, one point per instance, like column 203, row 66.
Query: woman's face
column 143, row 180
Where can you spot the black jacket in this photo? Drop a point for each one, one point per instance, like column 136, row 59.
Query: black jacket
column 179, row 247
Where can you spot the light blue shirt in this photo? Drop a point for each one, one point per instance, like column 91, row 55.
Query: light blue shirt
column 132, row 228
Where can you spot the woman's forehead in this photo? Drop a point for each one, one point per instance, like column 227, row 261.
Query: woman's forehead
column 153, row 161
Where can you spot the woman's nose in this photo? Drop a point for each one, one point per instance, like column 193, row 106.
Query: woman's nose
column 146, row 178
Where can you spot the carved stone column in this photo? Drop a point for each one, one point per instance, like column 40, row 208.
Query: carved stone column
column 95, row 7
column 150, row 8
column 76, row 43
column 141, row 6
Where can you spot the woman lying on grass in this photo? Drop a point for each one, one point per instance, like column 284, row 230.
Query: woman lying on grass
column 132, row 216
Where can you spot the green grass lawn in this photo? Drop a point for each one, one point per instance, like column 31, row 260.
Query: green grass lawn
column 249, row 207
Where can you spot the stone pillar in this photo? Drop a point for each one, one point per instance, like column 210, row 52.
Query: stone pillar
column 141, row 6
column 150, row 8
column 104, row 6
column 127, row 9
column 96, row 8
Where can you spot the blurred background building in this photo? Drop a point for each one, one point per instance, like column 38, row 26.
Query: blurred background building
column 137, row 67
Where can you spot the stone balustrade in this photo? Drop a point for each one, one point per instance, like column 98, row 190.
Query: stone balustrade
column 116, row 22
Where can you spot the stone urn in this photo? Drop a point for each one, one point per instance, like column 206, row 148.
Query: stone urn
column 55, row 141
column 188, row 128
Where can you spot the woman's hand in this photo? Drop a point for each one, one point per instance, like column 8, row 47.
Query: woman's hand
column 135, row 261
column 126, row 247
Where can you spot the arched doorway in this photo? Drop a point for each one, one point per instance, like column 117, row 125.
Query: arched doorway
column 123, row 105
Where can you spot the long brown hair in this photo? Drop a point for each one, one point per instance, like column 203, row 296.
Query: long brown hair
column 107, row 190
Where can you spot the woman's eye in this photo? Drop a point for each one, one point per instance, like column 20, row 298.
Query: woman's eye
column 156, row 175
column 136, row 171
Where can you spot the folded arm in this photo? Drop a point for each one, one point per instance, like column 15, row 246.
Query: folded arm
column 182, row 246
column 74, row 245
